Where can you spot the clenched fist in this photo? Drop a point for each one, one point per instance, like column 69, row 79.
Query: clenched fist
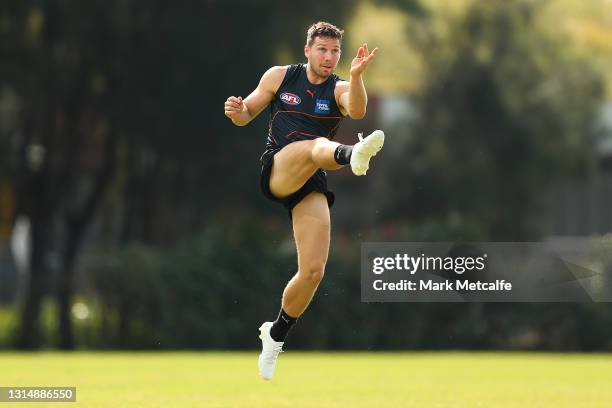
column 234, row 106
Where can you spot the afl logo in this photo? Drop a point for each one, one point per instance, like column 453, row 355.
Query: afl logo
column 290, row 99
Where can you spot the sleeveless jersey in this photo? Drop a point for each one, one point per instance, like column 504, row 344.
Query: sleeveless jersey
column 301, row 110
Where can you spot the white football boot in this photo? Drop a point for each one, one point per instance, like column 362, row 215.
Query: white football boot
column 269, row 351
column 364, row 150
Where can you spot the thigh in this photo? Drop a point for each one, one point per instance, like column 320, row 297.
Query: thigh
column 311, row 229
column 292, row 167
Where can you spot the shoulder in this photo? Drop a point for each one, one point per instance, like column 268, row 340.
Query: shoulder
column 275, row 73
column 271, row 79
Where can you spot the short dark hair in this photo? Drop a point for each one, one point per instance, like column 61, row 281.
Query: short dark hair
column 323, row 29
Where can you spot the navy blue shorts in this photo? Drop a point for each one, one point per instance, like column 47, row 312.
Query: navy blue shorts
column 318, row 182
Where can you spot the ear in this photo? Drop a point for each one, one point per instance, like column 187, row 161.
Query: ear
column 306, row 51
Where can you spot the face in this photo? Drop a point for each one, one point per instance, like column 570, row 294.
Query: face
column 323, row 55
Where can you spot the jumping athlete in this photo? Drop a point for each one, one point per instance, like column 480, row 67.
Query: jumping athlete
column 307, row 103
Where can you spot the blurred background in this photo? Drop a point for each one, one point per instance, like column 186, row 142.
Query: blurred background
column 130, row 212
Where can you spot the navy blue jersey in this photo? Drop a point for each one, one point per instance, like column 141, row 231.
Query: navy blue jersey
column 301, row 110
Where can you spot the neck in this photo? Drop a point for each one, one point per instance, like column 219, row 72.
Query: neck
column 313, row 77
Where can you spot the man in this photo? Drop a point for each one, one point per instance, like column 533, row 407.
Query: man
column 308, row 101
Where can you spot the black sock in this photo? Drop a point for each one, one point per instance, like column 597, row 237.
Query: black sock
column 281, row 326
column 343, row 154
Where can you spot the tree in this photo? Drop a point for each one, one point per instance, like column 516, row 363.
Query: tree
column 505, row 110
column 65, row 141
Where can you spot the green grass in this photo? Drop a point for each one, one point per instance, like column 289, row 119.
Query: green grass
column 320, row 380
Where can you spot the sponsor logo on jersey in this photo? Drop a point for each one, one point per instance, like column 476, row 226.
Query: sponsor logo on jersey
column 322, row 106
column 290, row 99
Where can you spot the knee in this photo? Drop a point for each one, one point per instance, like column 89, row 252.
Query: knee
column 318, row 150
column 312, row 272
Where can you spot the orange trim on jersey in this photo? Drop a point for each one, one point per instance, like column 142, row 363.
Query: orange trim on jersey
column 303, row 133
column 307, row 114
column 334, row 129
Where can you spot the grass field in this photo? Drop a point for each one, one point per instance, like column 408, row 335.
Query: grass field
column 323, row 380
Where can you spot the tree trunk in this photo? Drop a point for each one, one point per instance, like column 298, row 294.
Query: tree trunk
column 65, row 292
column 75, row 229
column 29, row 336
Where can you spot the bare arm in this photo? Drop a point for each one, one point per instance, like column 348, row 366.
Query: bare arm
column 351, row 96
column 241, row 112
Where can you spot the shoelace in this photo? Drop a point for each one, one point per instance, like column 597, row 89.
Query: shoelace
column 271, row 355
column 360, row 136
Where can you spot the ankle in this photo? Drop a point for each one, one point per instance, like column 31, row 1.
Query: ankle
column 342, row 155
column 281, row 326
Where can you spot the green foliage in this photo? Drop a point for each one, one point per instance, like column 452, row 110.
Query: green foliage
column 8, row 324
column 212, row 291
column 505, row 111
column 201, row 293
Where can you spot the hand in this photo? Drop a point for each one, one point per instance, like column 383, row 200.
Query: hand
column 363, row 58
column 234, row 106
